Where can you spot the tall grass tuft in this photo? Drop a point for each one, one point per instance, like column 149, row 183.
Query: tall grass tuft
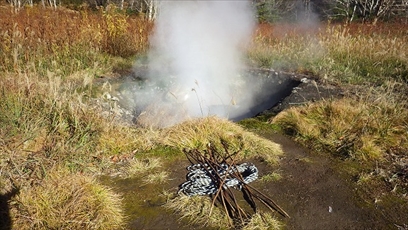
column 197, row 209
column 367, row 128
column 67, row 201
column 45, row 123
column 198, row 133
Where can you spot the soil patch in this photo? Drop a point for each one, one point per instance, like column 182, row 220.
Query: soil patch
column 316, row 195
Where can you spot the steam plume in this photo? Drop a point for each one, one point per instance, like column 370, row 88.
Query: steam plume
column 196, row 58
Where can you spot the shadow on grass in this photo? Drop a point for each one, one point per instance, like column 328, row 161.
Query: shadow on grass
column 5, row 219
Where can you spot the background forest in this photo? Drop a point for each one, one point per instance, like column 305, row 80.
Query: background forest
column 267, row 10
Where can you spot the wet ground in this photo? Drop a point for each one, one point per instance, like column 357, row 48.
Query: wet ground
column 316, row 195
column 314, row 190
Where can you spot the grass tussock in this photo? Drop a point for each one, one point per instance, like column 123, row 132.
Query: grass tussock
column 198, row 133
column 48, row 118
column 273, row 176
column 366, row 128
column 118, row 139
column 143, row 166
column 44, row 122
column 67, row 201
column 263, row 221
column 198, row 210
column 47, row 123
column 343, row 53
column 156, row 178
column 370, row 130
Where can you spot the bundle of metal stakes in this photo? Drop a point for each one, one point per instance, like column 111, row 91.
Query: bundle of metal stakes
column 219, row 169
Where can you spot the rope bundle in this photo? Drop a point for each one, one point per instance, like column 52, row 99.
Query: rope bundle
column 214, row 173
column 200, row 179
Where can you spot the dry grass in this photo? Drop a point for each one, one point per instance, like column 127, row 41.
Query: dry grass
column 156, row 178
column 43, row 121
column 197, row 209
column 118, row 139
column 370, row 129
column 197, row 133
column 365, row 128
column 67, row 40
column 343, row 53
column 161, row 114
column 137, row 167
column 67, row 201
column 263, row 221
column 48, row 64
column 274, row 176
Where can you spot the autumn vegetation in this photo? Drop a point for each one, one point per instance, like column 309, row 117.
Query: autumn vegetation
column 54, row 141
column 367, row 129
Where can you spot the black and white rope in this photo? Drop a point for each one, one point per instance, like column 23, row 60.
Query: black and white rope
column 200, row 179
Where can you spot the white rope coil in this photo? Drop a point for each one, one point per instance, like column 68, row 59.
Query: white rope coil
column 200, row 179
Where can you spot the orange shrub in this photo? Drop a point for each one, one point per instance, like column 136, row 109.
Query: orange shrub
column 36, row 32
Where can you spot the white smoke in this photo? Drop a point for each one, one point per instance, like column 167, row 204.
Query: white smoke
column 196, row 58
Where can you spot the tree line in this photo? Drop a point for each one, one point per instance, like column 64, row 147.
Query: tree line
column 267, row 10
column 344, row 10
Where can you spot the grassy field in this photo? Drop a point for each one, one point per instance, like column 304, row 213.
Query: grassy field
column 344, row 53
column 53, row 141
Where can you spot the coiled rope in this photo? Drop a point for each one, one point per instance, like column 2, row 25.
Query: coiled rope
column 205, row 180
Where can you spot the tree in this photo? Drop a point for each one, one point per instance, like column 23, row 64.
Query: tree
column 375, row 9
column 363, row 9
column 273, row 10
column 151, row 9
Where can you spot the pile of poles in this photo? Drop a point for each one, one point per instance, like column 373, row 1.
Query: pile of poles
column 224, row 195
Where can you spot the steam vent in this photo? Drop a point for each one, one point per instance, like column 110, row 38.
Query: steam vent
column 148, row 103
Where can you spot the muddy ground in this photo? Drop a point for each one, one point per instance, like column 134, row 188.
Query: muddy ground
column 314, row 190
column 316, row 195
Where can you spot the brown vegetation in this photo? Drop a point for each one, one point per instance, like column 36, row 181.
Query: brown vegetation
column 346, row 53
column 369, row 129
column 67, row 201
column 67, row 37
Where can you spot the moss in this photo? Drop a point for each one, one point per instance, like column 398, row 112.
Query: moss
column 168, row 152
column 259, row 125
column 142, row 202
